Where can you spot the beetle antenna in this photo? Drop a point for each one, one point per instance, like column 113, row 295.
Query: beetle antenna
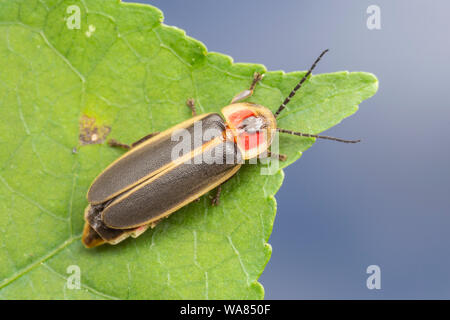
column 301, row 134
column 298, row 86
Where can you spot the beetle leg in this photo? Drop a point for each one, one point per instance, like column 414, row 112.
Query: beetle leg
column 151, row 135
column 249, row 92
column 115, row 143
column 191, row 104
column 216, row 200
column 281, row 157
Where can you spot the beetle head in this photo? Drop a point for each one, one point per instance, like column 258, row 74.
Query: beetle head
column 251, row 127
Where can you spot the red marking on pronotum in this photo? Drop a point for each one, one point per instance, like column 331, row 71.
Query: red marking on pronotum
column 246, row 140
column 237, row 117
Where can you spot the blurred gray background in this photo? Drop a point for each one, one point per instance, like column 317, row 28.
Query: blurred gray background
column 385, row 201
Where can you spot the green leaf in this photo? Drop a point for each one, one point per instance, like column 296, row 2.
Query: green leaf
column 131, row 73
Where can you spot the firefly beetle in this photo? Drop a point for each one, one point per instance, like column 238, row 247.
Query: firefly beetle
column 147, row 184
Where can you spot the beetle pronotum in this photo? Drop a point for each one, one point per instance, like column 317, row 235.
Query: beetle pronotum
column 147, row 184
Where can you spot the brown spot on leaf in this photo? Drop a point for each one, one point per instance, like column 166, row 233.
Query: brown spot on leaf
column 91, row 132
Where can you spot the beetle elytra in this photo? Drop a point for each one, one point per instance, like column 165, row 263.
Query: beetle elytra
column 147, row 184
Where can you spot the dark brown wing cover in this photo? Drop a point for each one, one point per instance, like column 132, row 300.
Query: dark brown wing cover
column 174, row 188
column 146, row 159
